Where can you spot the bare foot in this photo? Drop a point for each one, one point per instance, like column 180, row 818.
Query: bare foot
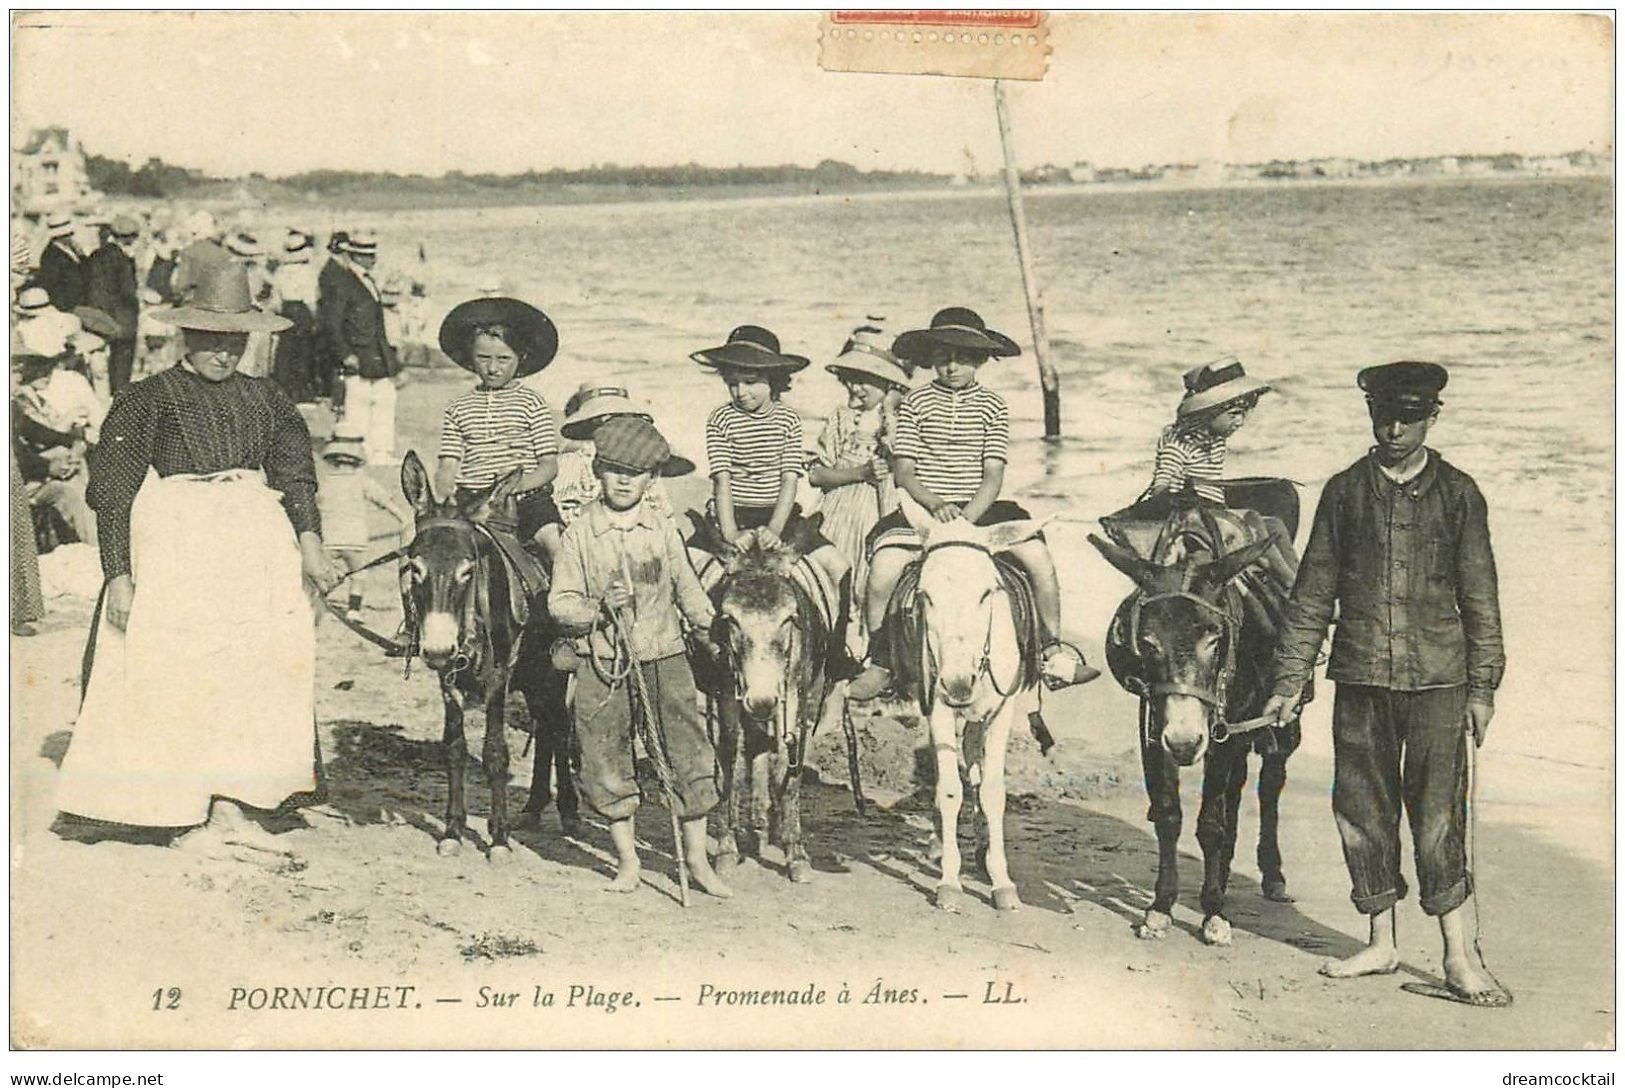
column 708, row 880
column 1468, row 976
column 1373, row 959
column 627, row 875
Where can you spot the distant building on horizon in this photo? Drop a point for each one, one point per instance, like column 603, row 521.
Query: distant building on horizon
column 48, row 170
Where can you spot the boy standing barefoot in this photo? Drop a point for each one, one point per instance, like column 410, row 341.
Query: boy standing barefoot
column 621, row 582
column 1401, row 549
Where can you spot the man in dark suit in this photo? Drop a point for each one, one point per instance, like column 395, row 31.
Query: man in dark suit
column 328, row 383
column 61, row 266
column 352, row 317
column 112, row 288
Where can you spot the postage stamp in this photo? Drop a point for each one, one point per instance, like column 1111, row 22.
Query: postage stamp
column 988, row 44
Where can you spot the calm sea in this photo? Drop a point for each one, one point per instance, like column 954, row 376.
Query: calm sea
column 1509, row 284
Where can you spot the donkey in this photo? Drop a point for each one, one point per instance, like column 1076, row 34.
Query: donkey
column 1196, row 648
column 469, row 618
column 967, row 643
column 770, row 690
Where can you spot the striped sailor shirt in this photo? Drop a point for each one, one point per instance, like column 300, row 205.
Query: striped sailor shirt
column 491, row 432
column 1190, row 456
column 754, row 450
column 948, row 433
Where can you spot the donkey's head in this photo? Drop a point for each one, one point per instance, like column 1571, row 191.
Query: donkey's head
column 970, row 651
column 1179, row 636
column 442, row 564
column 762, row 624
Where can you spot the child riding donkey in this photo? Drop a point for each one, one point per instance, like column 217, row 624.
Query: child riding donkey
column 949, row 456
column 755, row 449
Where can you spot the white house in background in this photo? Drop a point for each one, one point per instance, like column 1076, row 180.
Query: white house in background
column 48, row 170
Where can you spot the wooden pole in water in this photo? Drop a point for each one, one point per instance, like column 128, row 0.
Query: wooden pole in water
column 1047, row 377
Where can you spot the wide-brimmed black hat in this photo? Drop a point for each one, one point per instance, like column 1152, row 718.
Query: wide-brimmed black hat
column 751, row 347
column 1412, row 387
column 534, row 337
column 955, row 327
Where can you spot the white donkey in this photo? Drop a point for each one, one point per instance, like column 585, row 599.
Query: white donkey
column 969, row 646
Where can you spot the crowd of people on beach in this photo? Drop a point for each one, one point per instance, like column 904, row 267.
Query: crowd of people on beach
column 86, row 290
column 156, row 385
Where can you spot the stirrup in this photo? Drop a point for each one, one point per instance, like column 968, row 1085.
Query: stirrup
column 1081, row 672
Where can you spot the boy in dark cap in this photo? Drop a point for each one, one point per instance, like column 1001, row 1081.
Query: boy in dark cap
column 1400, row 550
column 622, row 582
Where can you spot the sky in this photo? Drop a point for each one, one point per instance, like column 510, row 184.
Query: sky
column 234, row 93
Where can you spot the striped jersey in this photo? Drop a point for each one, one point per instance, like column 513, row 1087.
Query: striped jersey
column 494, row 431
column 948, row 433
column 754, row 450
column 1189, row 456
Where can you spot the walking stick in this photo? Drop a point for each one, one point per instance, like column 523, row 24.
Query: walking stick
column 654, row 743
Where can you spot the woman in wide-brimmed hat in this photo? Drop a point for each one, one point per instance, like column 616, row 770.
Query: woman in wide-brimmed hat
column 501, row 424
column 851, row 465
column 199, row 699
column 592, row 405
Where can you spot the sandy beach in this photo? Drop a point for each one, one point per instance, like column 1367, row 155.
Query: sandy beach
column 101, row 925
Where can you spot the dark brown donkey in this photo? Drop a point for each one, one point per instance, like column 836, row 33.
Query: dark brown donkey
column 468, row 617
column 1196, row 650
column 769, row 691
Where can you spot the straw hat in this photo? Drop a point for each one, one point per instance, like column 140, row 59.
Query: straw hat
column 1212, row 386
column 537, row 339
column 866, row 356
column 33, row 300
column 345, row 445
column 244, row 244
column 297, row 247
column 358, row 243
column 221, row 303
column 60, row 225
column 632, row 445
column 595, row 401
column 750, row 347
column 955, row 327
column 124, row 227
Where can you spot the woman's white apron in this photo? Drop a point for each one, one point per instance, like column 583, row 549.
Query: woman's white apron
column 210, row 689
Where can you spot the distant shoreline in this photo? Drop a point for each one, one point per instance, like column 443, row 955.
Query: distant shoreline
column 712, row 194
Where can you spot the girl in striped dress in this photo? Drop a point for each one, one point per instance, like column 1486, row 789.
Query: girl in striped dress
column 501, row 424
column 755, row 449
column 1191, row 451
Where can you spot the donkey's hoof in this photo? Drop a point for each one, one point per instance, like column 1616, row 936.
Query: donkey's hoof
column 528, row 820
column 1006, row 898
column 800, row 871
column 950, row 898
column 448, row 847
column 1215, row 930
column 501, row 855
column 1154, row 927
column 570, row 826
column 1275, row 891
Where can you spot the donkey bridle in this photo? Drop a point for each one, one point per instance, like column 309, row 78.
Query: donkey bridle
column 1213, row 697
column 984, row 667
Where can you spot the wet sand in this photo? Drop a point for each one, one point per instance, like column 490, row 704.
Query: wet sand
column 101, row 922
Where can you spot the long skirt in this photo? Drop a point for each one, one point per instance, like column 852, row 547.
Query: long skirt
column 210, row 689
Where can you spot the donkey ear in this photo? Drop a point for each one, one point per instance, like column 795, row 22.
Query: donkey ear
column 1221, row 570
column 918, row 520
column 415, row 485
column 1007, row 535
column 1138, row 569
